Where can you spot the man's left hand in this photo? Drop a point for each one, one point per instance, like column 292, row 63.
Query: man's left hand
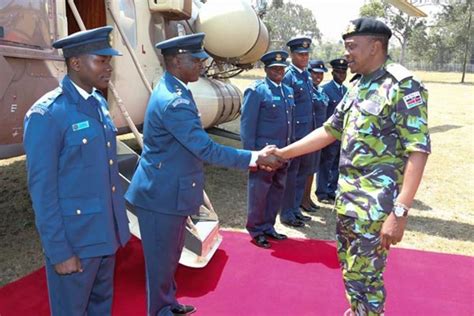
column 392, row 230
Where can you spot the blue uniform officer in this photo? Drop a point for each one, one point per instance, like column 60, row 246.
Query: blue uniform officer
column 73, row 179
column 267, row 120
column 326, row 181
column 320, row 104
column 298, row 78
column 168, row 184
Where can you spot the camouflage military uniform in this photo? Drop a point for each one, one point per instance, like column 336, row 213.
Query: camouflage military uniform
column 380, row 121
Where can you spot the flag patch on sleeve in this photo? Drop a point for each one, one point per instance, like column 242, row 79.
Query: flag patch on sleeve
column 413, row 99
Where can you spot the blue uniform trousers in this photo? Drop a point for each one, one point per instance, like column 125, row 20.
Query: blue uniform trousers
column 163, row 240
column 265, row 194
column 326, row 180
column 84, row 293
column 295, row 184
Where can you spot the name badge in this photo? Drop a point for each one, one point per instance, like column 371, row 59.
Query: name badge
column 299, row 81
column 81, row 125
column 276, row 98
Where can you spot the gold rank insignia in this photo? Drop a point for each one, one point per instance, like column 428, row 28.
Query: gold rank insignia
column 305, row 44
column 350, row 28
column 178, row 91
column 278, row 57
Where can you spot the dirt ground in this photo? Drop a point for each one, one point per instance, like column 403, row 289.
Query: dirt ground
column 442, row 218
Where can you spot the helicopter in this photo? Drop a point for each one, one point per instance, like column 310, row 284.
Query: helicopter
column 236, row 37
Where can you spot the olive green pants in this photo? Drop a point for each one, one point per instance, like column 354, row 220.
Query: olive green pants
column 363, row 262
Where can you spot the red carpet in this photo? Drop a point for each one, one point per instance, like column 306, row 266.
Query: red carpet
column 295, row 277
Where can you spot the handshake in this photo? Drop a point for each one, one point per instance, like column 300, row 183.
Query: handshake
column 269, row 158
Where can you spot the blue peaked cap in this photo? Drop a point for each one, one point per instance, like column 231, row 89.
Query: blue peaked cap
column 299, row 44
column 317, row 65
column 275, row 58
column 93, row 42
column 184, row 44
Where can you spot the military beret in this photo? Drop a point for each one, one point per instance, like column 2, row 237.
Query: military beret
column 275, row 58
column 317, row 66
column 367, row 26
column 338, row 63
column 299, row 44
column 93, row 41
column 184, row 44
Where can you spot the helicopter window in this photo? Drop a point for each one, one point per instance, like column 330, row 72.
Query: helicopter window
column 127, row 20
column 26, row 23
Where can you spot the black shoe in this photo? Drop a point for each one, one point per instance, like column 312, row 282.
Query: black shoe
column 326, row 201
column 302, row 217
column 183, row 309
column 314, row 205
column 276, row 235
column 309, row 209
column 293, row 223
column 261, row 241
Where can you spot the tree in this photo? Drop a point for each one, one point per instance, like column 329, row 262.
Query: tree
column 453, row 29
column 328, row 51
column 288, row 21
column 401, row 24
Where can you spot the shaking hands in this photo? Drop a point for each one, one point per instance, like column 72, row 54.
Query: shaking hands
column 268, row 158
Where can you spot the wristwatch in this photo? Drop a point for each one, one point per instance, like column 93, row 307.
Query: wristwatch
column 400, row 210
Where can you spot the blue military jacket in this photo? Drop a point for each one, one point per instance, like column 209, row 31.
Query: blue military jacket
column 73, row 175
column 302, row 86
column 267, row 115
column 335, row 96
column 320, row 105
column 170, row 178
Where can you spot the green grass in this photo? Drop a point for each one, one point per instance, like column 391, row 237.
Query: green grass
column 442, row 218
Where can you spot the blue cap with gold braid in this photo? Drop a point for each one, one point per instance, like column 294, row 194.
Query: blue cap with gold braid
column 191, row 44
column 299, row 44
column 317, row 65
column 93, row 42
column 275, row 58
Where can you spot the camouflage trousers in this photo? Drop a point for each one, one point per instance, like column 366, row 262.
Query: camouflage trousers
column 362, row 260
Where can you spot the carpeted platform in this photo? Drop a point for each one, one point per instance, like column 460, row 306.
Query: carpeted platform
column 295, row 277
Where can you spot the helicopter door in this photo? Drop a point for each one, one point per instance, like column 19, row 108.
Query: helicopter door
column 92, row 14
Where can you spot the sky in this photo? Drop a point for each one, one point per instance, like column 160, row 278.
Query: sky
column 332, row 15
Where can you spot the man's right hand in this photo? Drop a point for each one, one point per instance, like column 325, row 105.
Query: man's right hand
column 268, row 161
column 71, row 265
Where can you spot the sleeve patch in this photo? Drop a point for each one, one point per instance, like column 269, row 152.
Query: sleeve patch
column 180, row 101
column 413, row 99
column 37, row 109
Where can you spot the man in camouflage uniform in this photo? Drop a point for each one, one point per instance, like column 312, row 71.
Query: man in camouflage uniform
column 382, row 125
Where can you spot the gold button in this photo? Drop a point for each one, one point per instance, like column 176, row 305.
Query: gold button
column 113, row 188
column 84, row 141
column 78, row 212
column 111, row 162
column 109, row 144
column 194, row 184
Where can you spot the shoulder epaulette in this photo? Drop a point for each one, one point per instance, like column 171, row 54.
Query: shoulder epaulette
column 398, row 71
column 255, row 84
column 42, row 105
